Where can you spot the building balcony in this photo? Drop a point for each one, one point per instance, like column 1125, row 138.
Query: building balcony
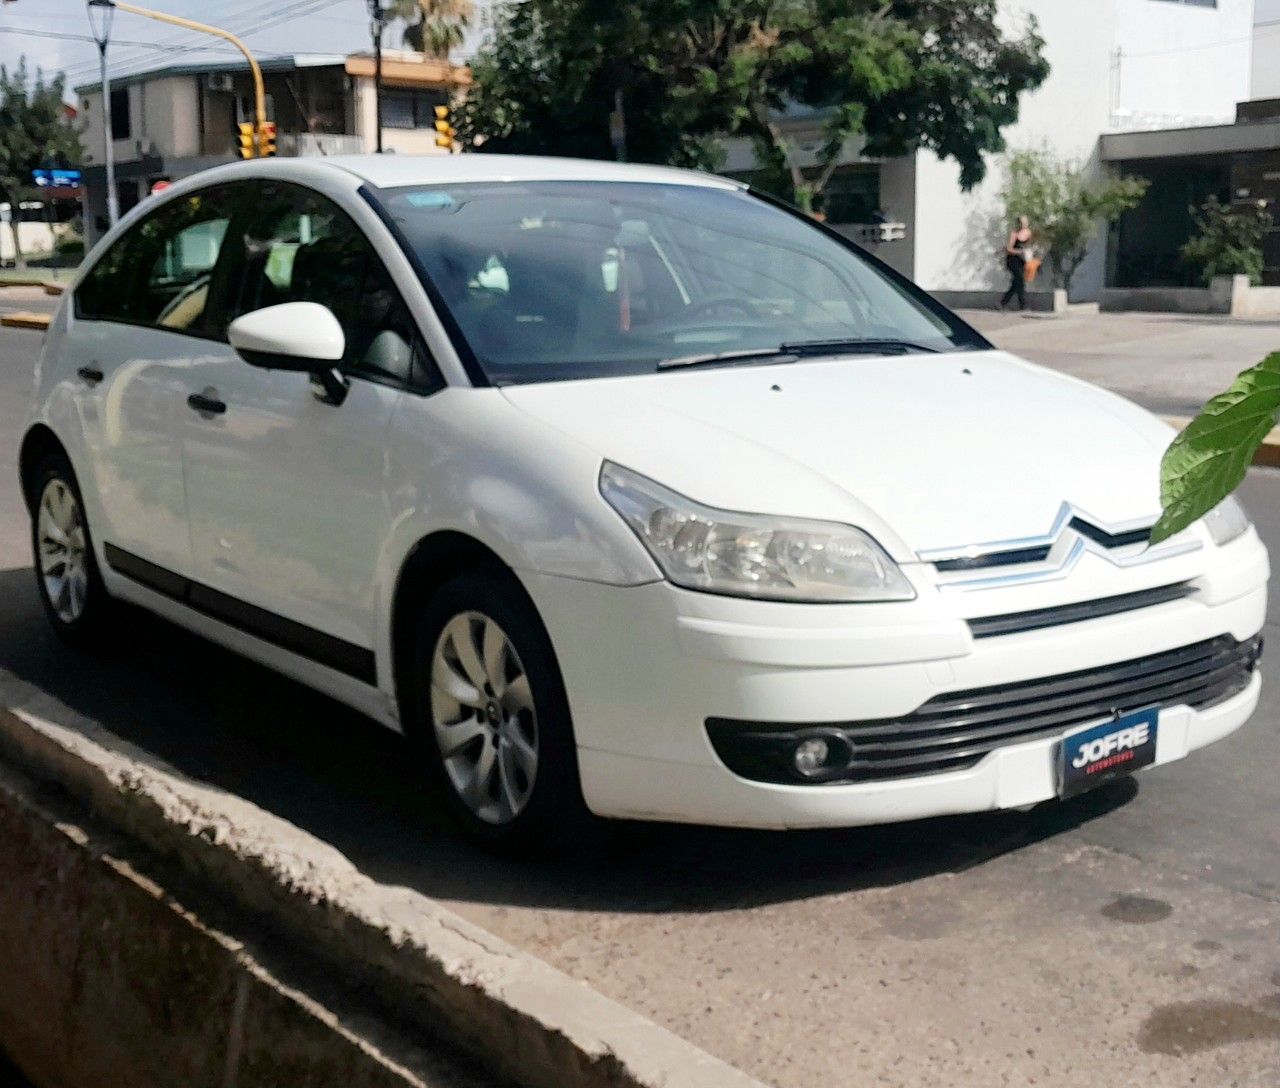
column 309, row 144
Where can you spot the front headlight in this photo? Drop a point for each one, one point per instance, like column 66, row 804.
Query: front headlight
column 1226, row 521
column 750, row 555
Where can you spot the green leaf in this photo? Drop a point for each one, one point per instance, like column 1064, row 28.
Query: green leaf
column 1207, row 461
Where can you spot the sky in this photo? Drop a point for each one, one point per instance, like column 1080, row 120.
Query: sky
column 37, row 29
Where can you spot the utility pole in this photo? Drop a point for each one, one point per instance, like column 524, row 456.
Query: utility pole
column 618, row 127
column 101, row 12
column 377, row 20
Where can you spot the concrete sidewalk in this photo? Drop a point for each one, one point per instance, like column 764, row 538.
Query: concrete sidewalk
column 1170, row 363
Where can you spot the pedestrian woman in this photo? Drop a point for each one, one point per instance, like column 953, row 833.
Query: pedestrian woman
column 1015, row 260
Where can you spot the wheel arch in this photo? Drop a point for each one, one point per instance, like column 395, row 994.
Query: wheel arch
column 37, row 444
column 429, row 564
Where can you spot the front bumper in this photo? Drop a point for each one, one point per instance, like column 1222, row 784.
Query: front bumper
column 645, row 667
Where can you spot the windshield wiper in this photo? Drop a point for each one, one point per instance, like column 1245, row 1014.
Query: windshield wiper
column 778, row 354
column 864, row 346
column 797, row 349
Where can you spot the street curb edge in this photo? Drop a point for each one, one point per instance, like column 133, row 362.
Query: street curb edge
column 516, row 1013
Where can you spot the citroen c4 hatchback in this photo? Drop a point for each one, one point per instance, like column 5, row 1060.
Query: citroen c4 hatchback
column 623, row 490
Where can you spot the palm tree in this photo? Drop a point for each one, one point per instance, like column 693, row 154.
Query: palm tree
column 433, row 27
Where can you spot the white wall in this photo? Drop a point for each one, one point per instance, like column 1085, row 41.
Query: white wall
column 1182, row 64
column 959, row 237
column 36, row 238
column 171, row 116
column 1265, row 74
column 163, row 113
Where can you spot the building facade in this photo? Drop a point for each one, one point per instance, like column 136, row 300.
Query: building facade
column 170, row 122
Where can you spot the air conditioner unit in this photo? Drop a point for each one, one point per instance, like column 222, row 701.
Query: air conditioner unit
column 219, row 81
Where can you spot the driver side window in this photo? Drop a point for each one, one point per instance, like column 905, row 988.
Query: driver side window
column 300, row 247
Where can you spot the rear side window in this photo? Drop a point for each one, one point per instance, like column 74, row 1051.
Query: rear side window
column 160, row 272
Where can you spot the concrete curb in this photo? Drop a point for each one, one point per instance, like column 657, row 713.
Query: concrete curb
column 1267, row 455
column 25, row 320
column 516, row 1014
column 25, row 281
column 112, row 981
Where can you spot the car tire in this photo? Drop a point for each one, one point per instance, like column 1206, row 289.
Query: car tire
column 66, row 569
column 488, row 712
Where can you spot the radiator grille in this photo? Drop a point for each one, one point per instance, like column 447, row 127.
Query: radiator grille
column 956, row 730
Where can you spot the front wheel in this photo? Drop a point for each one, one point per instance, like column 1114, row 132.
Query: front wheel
column 71, row 589
column 490, row 714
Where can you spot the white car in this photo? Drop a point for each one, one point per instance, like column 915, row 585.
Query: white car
column 623, row 489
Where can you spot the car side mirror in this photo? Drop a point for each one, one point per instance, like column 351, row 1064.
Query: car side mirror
column 300, row 336
column 297, row 336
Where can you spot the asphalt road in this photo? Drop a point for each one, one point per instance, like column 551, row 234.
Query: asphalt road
column 1172, row 363
column 1131, row 936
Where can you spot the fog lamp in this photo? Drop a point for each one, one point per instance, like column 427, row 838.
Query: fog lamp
column 811, row 755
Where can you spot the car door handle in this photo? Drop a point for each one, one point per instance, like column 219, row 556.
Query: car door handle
column 206, row 403
column 90, row 375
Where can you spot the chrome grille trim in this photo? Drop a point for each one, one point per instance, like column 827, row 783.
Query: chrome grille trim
column 1052, row 556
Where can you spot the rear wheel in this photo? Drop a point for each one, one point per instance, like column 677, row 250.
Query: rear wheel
column 71, row 589
column 491, row 718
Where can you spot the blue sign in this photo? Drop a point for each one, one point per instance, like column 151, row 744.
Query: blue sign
column 56, row 179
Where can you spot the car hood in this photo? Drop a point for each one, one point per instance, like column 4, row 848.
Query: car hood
column 928, row 452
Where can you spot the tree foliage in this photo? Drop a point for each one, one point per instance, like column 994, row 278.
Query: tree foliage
column 1064, row 206
column 34, row 133
column 1228, row 241
column 897, row 74
column 1208, row 460
column 434, row 27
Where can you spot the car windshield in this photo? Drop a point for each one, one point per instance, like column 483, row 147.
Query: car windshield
column 557, row 280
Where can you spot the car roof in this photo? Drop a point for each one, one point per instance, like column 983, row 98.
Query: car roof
column 391, row 171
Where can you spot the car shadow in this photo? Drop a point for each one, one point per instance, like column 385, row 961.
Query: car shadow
column 234, row 725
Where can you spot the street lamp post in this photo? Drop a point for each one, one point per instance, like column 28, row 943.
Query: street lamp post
column 101, row 13
column 377, row 20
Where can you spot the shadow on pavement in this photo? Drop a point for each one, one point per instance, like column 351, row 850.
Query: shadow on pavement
column 228, row 722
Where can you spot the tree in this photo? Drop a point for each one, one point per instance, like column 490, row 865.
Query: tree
column 434, row 27
column 34, row 133
column 897, row 74
column 1064, row 207
column 1228, row 241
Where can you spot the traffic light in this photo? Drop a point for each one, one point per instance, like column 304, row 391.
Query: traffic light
column 445, row 132
column 267, row 139
column 248, row 141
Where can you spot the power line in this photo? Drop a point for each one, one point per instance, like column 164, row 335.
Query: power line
column 172, row 43
column 76, row 37
column 297, row 9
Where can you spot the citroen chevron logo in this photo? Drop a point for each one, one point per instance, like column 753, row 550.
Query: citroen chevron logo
column 1052, row 555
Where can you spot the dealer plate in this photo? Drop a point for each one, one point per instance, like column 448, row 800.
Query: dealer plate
column 1102, row 753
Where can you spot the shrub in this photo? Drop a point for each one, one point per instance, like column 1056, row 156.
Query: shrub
column 1228, row 241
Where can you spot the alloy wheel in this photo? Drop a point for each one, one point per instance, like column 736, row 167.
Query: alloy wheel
column 485, row 722
column 62, row 551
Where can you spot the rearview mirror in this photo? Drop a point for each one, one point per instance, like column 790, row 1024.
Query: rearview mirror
column 291, row 336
